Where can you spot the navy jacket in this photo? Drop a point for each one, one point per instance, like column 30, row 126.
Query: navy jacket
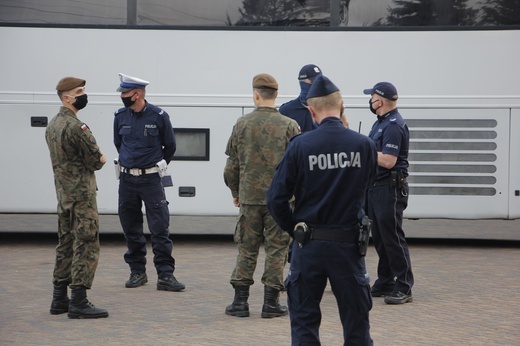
column 391, row 136
column 296, row 110
column 328, row 170
column 143, row 138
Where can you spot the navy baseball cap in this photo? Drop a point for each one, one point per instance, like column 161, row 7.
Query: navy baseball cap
column 309, row 71
column 384, row 89
column 322, row 86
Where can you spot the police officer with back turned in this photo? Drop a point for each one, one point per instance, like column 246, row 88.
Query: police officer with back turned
column 143, row 136
column 388, row 198
column 328, row 171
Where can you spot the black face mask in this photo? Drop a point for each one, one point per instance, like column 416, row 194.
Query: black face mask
column 127, row 101
column 372, row 109
column 81, row 102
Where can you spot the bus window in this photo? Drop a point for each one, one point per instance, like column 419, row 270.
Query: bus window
column 192, row 144
column 257, row 13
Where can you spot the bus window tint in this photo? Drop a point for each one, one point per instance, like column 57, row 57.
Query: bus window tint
column 252, row 13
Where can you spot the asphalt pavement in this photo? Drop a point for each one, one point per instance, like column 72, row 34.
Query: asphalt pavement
column 465, row 293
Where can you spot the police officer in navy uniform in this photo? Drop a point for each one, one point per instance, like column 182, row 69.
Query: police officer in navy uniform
column 297, row 109
column 388, row 198
column 143, row 136
column 328, row 170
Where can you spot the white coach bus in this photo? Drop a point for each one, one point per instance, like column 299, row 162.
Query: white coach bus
column 458, row 83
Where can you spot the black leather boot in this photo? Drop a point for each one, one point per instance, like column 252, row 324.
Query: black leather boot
column 239, row 307
column 272, row 307
column 80, row 307
column 60, row 299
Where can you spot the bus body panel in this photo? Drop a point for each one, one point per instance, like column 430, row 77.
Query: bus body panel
column 202, row 78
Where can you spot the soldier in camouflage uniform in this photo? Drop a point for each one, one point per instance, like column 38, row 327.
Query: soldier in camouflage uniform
column 74, row 157
column 256, row 145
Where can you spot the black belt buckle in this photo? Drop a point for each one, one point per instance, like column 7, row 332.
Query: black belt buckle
column 301, row 233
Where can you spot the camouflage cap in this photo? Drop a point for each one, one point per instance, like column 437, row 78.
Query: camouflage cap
column 265, row 81
column 69, row 83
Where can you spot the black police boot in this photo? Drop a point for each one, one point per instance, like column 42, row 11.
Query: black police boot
column 169, row 283
column 60, row 299
column 136, row 280
column 239, row 307
column 80, row 307
column 272, row 307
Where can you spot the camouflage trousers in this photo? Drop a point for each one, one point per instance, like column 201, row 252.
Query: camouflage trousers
column 255, row 227
column 77, row 253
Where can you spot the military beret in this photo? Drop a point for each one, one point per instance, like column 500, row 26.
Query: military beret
column 128, row 83
column 69, row 83
column 322, row 86
column 265, row 81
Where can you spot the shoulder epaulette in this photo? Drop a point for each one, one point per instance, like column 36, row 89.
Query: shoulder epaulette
column 156, row 109
column 120, row 110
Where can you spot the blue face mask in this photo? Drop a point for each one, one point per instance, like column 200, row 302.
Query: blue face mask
column 305, row 87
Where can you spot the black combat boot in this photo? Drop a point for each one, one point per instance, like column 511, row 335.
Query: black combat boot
column 239, row 307
column 272, row 307
column 60, row 299
column 80, row 307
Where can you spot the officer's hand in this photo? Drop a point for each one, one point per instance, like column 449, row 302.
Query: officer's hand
column 103, row 158
column 344, row 120
column 236, row 202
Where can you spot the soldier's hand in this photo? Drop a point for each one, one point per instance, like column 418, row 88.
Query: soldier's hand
column 103, row 158
column 236, row 202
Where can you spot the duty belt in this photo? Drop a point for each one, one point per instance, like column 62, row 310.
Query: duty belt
column 339, row 234
column 386, row 182
column 139, row 171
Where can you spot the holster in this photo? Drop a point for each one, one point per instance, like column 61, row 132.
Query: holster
column 117, row 167
column 301, row 233
column 397, row 179
column 364, row 235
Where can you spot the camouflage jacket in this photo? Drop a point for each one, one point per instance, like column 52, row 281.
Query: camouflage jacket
column 74, row 156
column 254, row 149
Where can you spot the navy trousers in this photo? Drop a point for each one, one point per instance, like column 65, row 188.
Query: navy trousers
column 385, row 207
column 133, row 191
column 310, row 267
